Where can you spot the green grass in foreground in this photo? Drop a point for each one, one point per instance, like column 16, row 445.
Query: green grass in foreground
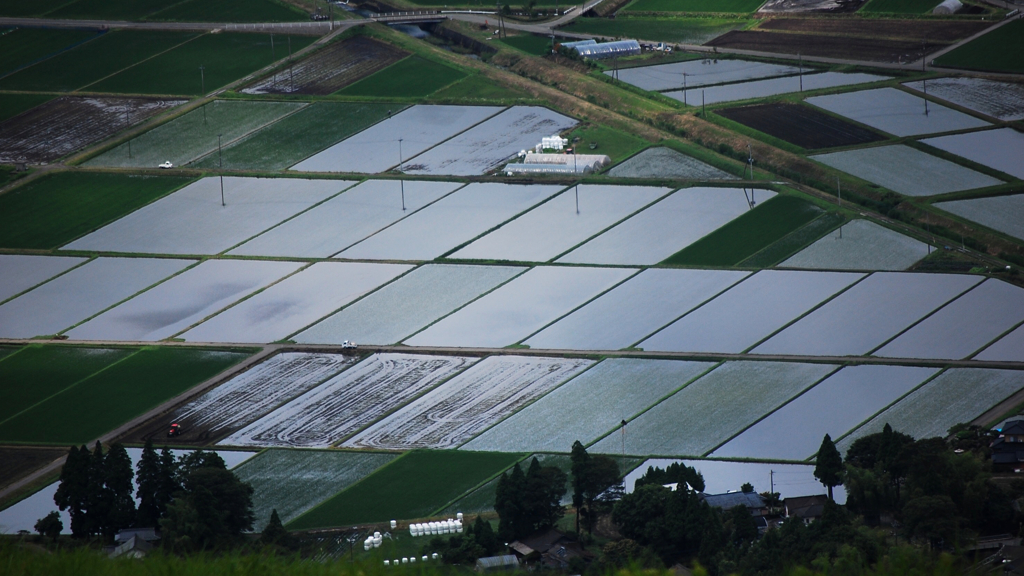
column 225, row 57
column 412, row 486
column 412, row 77
column 39, row 371
column 999, row 51
column 529, row 43
column 94, row 60
column 298, row 136
column 794, row 242
column 57, row 208
column 22, row 46
column 109, row 9
column 749, row 233
column 114, row 396
column 477, row 88
column 900, row 6
column 682, row 30
column 735, row 6
column 613, row 143
column 230, row 11
column 13, row 104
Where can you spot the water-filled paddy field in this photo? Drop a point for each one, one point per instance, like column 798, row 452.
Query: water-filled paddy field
column 699, row 73
column 860, row 245
column 772, row 87
column 1002, row 213
column 1001, row 100
column 907, row 170
column 896, row 112
column 1001, row 149
column 22, row 272
column 662, row 162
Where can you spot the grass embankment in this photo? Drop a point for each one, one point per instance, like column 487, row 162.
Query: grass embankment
column 900, row 6
column 298, row 136
column 13, row 104
column 678, row 30
column 615, row 144
column 57, row 208
column 413, row 486
column 413, row 77
column 535, row 45
column 748, row 234
column 477, row 88
column 22, row 46
column 112, row 396
column 705, row 6
column 225, row 57
column 1001, row 50
column 94, row 60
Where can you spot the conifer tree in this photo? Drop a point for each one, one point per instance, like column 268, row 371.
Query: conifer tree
column 149, row 482
column 73, row 488
column 97, row 498
column 828, row 468
column 118, row 482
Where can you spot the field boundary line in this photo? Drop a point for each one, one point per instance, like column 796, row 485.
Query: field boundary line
column 882, row 410
column 129, row 297
column 44, row 58
column 524, row 270
column 307, row 157
column 350, row 184
column 784, row 403
column 694, row 308
column 987, row 344
column 714, row 366
column 799, row 249
column 528, row 404
column 240, row 139
column 235, row 140
column 70, row 386
column 233, row 303
column 459, row 133
column 808, row 312
column 936, row 55
column 928, row 315
column 85, row 261
column 440, row 511
column 137, row 63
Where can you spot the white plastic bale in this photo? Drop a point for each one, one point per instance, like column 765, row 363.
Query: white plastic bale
column 376, row 535
column 412, row 560
column 394, row 524
column 387, row 562
column 433, row 556
column 424, row 558
column 405, row 560
column 458, row 516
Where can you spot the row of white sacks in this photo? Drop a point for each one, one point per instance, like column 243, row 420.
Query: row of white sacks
column 448, row 526
column 410, row 560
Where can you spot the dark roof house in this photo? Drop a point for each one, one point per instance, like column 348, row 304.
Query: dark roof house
column 807, row 508
column 752, row 500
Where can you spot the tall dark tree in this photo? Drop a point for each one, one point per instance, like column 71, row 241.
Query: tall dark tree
column 602, row 472
column 510, row 504
column 211, row 511
column 275, row 534
column 485, row 536
column 168, row 479
column 579, row 460
column 828, row 467
column 148, row 479
column 98, row 497
column 545, row 486
column 72, row 493
column 50, row 526
column 118, row 483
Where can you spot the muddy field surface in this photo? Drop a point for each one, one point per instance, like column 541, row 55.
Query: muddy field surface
column 833, row 6
column 330, row 69
column 19, row 462
column 933, row 31
column 62, row 126
column 800, row 125
column 853, row 48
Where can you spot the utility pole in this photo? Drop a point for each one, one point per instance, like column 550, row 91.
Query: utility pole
column 703, row 108
column 202, row 80
column 925, row 81
column 273, row 55
column 402, row 180
column 800, row 59
column 220, row 155
column 684, row 89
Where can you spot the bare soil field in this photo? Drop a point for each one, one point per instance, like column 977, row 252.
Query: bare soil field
column 18, row 462
column 330, row 69
column 854, row 48
column 793, row 6
column 62, row 126
column 932, row 30
column 800, row 125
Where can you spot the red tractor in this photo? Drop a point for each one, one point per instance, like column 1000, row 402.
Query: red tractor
column 174, row 430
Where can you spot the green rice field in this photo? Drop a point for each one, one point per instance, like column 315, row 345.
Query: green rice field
column 413, row 486
column 230, row 11
column 412, row 77
column 900, row 6
column 613, row 143
column 748, row 234
column 225, row 57
column 13, row 104
column 795, row 241
column 57, row 208
column 1001, row 50
column 731, row 6
column 94, row 60
column 298, row 136
column 6, row 351
column 108, row 9
column 683, row 30
column 83, row 412
column 39, row 371
column 23, row 46
column 194, row 135
column 529, row 43
column 21, row 8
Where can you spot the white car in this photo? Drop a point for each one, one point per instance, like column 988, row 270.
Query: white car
column 348, row 344
column 167, row 164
